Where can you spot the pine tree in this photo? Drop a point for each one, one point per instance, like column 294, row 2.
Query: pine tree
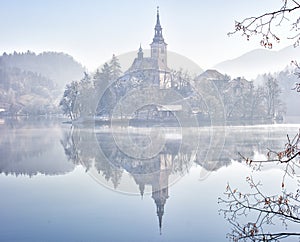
column 115, row 68
column 106, row 72
column 102, row 77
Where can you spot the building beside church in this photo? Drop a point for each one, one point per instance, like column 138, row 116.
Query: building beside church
column 153, row 68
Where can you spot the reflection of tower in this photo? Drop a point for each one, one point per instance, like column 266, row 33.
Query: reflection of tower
column 159, row 181
column 160, row 194
column 160, row 187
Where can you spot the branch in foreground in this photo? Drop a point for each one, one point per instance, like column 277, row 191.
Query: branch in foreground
column 264, row 210
column 286, row 156
column 264, row 24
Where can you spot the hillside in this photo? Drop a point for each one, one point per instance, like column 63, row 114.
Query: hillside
column 59, row 67
column 26, row 93
column 259, row 61
column 33, row 84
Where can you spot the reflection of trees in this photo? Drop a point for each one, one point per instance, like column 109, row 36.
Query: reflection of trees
column 18, row 142
column 81, row 147
column 25, row 146
column 99, row 149
column 69, row 146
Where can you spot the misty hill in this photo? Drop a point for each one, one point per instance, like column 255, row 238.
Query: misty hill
column 59, row 67
column 32, row 84
column 259, row 61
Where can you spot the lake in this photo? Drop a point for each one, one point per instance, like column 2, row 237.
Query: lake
column 64, row 183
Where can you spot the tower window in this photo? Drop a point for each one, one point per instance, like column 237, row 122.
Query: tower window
column 162, row 50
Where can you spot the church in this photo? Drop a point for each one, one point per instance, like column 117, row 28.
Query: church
column 153, row 68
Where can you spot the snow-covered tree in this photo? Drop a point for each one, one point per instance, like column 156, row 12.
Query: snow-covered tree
column 68, row 100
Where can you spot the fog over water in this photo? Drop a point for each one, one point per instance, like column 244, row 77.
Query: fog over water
column 71, row 183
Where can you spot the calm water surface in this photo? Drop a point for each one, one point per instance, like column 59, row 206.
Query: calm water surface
column 63, row 183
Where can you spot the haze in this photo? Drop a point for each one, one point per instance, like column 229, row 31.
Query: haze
column 91, row 31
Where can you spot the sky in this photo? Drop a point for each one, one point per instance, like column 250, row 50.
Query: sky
column 93, row 30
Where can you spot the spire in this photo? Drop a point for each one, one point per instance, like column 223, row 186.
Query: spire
column 140, row 53
column 158, row 29
column 142, row 189
column 157, row 18
column 160, row 197
column 160, row 213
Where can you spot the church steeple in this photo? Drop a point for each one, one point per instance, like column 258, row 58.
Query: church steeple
column 156, row 65
column 140, row 53
column 160, row 198
column 158, row 45
column 158, row 29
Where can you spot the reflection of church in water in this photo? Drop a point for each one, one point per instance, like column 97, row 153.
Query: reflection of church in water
column 153, row 172
column 159, row 182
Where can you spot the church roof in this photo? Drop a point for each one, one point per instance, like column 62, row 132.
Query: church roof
column 147, row 63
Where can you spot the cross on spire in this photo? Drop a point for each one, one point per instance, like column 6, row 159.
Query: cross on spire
column 158, row 29
column 157, row 17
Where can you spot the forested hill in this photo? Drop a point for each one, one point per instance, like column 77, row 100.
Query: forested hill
column 32, row 84
column 59, row 67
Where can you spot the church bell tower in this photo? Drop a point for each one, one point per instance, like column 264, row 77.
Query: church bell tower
column 158, row 45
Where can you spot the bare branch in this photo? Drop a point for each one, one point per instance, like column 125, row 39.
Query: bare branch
column 263, row 24
column 289, row 153
column 267, row 208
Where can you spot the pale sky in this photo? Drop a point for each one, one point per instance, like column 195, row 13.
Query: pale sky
column 92, row 30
